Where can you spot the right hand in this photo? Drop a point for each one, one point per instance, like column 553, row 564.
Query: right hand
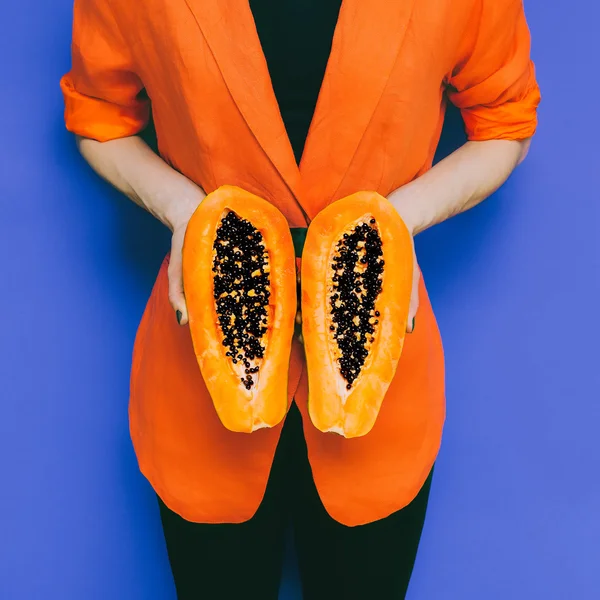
column 175, row 269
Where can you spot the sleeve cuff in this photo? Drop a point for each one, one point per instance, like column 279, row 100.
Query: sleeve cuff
column 98, row 119
column 513, row 119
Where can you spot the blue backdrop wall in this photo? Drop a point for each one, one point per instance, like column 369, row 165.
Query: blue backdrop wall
column 515, row 283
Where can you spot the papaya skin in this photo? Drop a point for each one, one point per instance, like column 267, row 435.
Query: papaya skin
column 266, row 402
column 331, row 405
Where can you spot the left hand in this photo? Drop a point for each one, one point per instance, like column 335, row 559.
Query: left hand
column 414, row 296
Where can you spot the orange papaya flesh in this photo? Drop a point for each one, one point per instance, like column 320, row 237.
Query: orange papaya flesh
column 239, row 277
column 357, row 267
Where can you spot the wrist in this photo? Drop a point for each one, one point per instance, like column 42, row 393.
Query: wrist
column 180, row 204
column 409, row 208
column 179, row 212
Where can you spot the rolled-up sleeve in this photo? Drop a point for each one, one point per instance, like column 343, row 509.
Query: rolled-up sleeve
column 494, row 83
column 104, row 97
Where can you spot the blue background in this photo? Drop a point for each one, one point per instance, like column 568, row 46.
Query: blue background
column 514, row 510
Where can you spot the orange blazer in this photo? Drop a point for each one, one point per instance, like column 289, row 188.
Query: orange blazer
column 198, row 64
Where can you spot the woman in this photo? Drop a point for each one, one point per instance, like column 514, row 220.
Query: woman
column 302, row 103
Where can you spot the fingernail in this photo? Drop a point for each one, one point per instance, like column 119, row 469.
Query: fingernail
column 413, row 326
column 178, row 315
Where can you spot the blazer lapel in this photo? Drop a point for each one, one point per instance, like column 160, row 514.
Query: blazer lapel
column 229, row 29
column 366, row 44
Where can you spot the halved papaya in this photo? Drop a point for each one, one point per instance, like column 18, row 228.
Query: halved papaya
column 239, row 277
column 357, row 267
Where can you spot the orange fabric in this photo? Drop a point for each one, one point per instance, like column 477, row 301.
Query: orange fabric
column 103, row 94
column 376, row 126
column 500, row 101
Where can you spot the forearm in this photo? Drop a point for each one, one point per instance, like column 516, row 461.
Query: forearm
column 460, row 181
column 134, row 169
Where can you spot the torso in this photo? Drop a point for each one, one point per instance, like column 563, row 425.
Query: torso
column 296, row 37
column 375, row 127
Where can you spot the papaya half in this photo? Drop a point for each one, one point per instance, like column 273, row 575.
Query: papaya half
column 239, row 278
column 357, row 266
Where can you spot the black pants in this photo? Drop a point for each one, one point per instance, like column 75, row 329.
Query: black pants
column 244, row 561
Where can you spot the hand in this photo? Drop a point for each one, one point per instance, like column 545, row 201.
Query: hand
column 414, row 295
column 406, row 216
column 175, row 270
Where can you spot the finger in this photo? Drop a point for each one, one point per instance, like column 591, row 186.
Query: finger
column 176, row 295
column 414, row 300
